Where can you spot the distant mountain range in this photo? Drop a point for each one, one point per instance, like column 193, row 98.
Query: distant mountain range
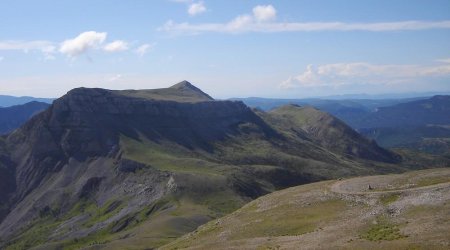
column 138, row 168
column 7, row 101
column 14, row 116
column 420, row 123
column 409, row 95
column 435, row 110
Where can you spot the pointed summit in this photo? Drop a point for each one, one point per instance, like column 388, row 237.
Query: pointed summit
column 183, row 84
column 186, row 86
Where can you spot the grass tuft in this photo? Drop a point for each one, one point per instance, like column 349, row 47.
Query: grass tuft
column 389, row 198
column 383, row 230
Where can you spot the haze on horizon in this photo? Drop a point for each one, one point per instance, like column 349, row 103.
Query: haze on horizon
column 285, row 49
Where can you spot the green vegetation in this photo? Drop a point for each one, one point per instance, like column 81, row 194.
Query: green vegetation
column 105, row 212
column 433, row 181
column 284, row 220
column 176, row 160
column 287, row 220
column 97, row 238
column 389, row 198
column 48, row 221
column 36, row 234
column 81, row 207
column 382, row 230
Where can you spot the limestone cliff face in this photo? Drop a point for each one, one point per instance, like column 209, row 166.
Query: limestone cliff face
column 89, row 122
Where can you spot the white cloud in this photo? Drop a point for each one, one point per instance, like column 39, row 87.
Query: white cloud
column 82, row 43
column 264, row 13
column 116, row 46
column 196, row 8
column 144, row 49
column 361, row 73
column 1, row 58
column 263, row 16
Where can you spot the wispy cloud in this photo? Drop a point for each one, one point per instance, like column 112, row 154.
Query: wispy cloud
column 362, row 73
column 144, row 49
column 443, row 60
column 116, row 46
column 262, row 19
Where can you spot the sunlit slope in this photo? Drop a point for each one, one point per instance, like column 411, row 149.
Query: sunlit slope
column 407, row 211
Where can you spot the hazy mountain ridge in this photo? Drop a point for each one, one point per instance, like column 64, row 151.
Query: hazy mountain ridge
column 420, row 125
column 7, row 101
column 434, row 110
column 14, row 116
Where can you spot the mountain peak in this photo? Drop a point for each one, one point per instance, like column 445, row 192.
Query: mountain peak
column 189, row 87
column 183, row 84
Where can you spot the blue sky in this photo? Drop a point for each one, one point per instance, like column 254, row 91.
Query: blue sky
column 288, row 49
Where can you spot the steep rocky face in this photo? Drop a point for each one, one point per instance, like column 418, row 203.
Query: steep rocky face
column 332, row 133
column 88, row 122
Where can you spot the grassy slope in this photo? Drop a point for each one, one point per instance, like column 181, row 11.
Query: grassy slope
column 312, row 216
column 203, row 184
column 328, row 131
